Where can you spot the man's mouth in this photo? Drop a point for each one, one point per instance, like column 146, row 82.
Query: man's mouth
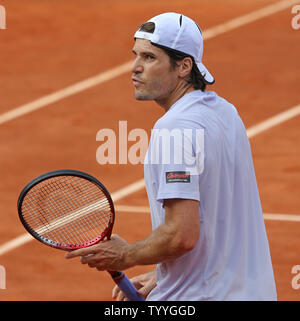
column 136, row 82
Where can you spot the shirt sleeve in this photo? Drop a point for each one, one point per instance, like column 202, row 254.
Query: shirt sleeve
column 177, row 154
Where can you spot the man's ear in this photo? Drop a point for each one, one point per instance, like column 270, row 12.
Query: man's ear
column 185, row 67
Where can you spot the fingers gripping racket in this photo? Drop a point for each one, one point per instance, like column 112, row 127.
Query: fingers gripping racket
column 68, row 210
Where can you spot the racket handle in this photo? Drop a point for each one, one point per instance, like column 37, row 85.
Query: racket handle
column 126, row 286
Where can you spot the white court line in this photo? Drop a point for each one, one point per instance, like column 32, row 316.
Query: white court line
column 267, row 216
column 273, row 121
column 282, row 217
column 15, row 243
column 124, row 68
column 110, row 74
column 132, row 209
column 248, row 18
column 127, row 190
column 64, row 93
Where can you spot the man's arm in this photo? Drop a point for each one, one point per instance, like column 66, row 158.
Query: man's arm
column 176, row 236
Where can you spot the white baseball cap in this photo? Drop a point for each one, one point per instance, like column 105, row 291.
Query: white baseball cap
column 180, row 33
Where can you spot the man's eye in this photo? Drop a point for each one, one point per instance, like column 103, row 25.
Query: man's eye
column 149, row 57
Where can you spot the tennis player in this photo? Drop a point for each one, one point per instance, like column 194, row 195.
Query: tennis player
column 209, row 240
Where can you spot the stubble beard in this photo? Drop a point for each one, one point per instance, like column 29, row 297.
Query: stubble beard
column 151, row 92
column 140, row 95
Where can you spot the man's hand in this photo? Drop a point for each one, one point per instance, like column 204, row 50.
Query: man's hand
column 144, row 283
column 106, row 255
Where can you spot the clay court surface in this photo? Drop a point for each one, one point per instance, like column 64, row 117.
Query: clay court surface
column 50, row 45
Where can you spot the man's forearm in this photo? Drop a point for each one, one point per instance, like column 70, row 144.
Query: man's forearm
column 162, row 244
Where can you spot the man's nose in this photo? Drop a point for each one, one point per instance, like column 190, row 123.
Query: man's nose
column 137, row 66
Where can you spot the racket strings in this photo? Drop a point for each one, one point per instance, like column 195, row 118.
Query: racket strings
column 61, row 226
column 67, row 209
column 52, row 201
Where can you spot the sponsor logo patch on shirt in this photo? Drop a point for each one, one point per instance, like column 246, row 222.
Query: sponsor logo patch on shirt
column 178, row 177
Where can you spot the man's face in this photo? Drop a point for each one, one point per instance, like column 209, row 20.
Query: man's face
column 152, row 74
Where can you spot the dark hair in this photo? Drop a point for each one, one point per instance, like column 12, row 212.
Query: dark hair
column 195, row 77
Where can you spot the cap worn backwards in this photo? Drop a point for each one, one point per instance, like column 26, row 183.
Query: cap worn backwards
column 180, row 33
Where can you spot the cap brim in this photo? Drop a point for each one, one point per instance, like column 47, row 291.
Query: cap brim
column 209, row 79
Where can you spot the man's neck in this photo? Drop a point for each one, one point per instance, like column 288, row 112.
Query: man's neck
column 179, row 91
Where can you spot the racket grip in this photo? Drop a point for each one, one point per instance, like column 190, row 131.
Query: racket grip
column 126, row 286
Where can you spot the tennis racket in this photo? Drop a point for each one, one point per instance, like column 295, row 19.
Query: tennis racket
column 68, row 210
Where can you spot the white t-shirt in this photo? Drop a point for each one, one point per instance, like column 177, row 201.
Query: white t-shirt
column 231, row 260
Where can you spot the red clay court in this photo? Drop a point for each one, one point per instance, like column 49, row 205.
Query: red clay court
column 65, row 74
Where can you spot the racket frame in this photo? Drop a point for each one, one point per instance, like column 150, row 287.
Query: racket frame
column 66, row 172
